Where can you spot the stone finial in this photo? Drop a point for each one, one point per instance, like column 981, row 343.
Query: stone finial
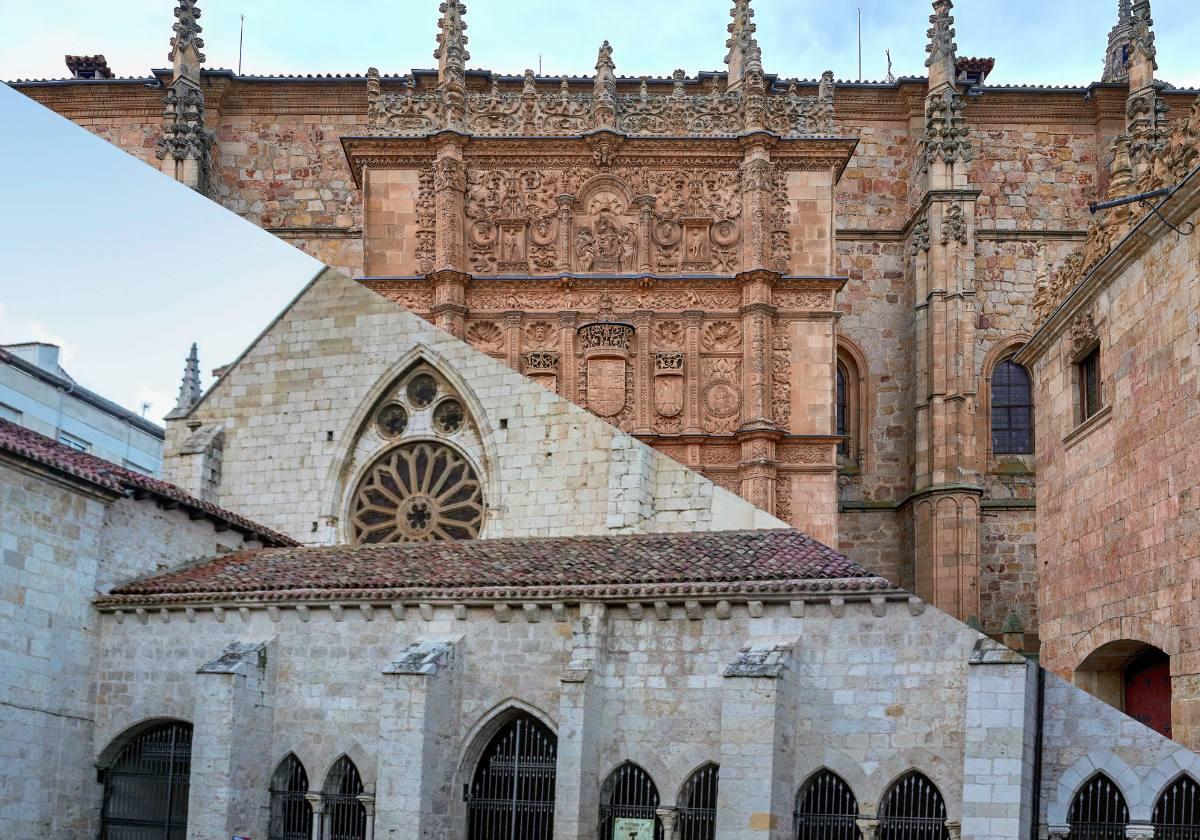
column 941, row 46
column 1142, row 52
column 1117, row 53
column 451, row 50
column 186, row 43
column 189, row 387
column 741, row 42
column 604, row 92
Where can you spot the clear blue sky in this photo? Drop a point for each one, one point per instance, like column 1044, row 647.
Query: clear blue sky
column 1034, row 41
column 123, row 267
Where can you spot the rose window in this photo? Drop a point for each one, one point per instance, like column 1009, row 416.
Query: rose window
column 415, row 492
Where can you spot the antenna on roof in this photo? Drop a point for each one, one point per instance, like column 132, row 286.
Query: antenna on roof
column 860, row 44
column 145, row 408
column 241, row 38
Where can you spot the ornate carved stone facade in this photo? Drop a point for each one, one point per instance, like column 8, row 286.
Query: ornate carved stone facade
column 753, row 231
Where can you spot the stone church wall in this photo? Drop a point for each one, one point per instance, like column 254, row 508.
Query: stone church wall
column 60, row 544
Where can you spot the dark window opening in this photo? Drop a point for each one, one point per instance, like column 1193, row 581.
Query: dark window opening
column 1177, row 812
column 697, row 813
column 826, row 809
column 146, row 786
column 1089, row 385
column 1098, row 811
column 345, row 817
column 628, row 794
column 512, row 794
column 843, row 447
column 913, row 809
column 1012, row 410
column 291, row 814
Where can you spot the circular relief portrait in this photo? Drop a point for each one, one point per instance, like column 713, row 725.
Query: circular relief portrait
column 417, row 492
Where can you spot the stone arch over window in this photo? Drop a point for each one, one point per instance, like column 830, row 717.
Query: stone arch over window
column 1132, row 676
column 696, row 805
column 1177, row 810
column 343, row 808
column 629, row 793
column 1073, row 779
column 1098, row 810
column 512, row 788
column 852, row 405
column 913, row 808
column 826, row 809
column 291, row 812
column 1008, row 388
column 146, row 781
column 415, row 471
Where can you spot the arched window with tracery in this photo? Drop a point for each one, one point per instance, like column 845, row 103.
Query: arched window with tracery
column 826, row 809
column 344, row 816
column 913, row 809
column 291, row 813
column 1177, row 811
column 628, row 799
column 1098, row 811
column 420, row 483
column 512, row 792
column 146, row 786
column 1012, row 409
column 696, row 811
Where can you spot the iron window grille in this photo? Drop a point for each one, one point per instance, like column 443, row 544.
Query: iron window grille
column 826, row 809
column 628, row 793
column 511, row 796
column 343, row 815
column 146, row 786
column 696, row 815
column 1098, row 811
column 291, row 813
column 1012, row 410
column 1177, row 811
column 913, row 809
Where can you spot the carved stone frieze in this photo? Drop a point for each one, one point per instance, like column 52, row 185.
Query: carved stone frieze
column 803, row 453
column 781, row 374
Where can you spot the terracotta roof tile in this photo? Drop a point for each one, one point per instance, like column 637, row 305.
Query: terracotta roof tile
column 627, row 565
column 36, row 447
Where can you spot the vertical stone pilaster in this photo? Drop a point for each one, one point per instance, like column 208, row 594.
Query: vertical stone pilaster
column 758, row 700
column 512, row 325
column 998, row 759
column 757, row 175
column 566, row 205
column 232, row 730
column 643, row 371
column 580, row 718
column 645, row 205
column 758, row 314
column 416, row 741
column 694, row 319
column 449, row 199
column 568, row 362
column 449, row 308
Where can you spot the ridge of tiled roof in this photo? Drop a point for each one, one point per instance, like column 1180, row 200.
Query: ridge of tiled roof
column 36, row 447
column 626, row 566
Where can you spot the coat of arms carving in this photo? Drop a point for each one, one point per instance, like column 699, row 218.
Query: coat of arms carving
column 668, row 383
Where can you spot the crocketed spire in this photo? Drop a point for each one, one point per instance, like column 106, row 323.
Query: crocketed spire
column 189, row 386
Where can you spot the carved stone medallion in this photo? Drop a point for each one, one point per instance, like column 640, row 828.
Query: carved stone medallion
column 668, row 383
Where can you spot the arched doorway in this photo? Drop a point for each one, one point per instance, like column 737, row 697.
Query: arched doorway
column 1132, row 676
column 826, row 809
column 1098, row 811
column 512, row 792
column 345, row 816
column 146, row 786
column 913, row 809
column 291, row 813
column 629, row 799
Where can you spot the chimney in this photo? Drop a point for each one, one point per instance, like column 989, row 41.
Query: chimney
column 88, row 67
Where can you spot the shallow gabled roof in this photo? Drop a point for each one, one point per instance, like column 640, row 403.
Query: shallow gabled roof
column 29, row 445
column 625, row 566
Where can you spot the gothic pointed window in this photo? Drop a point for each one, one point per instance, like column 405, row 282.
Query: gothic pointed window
column 291, row 813
column 696, row 814
column 146, row 785
column 1012, row 410
column 344, row 817
column 420, row 483
column 843, row 412
column 1177, row 811
column 913, row 809
column 629, row 800
column 1098, row 811
column 826, row 809
column 512, row 792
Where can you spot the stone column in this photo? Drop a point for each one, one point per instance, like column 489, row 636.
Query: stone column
column 566, row 204
column 568, row 363
column 869, row 828
column 512, row 325
column 317, row 803
column 368, row 803
column 694, row 319
column 668, row 817
column 643, row 371
column 449, row 201
column 645, row 205
column 449, row 310
column 418, row 741
column 757, row 175
column 998, row 758
column 758, row 711
column 230, row 740
column 580, row 721
column 758, row 313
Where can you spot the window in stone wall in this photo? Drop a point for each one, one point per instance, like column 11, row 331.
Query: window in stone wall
column 913, row 809
column 1012, row 410
column 826, row 809
column 851, row 410
column 1177, row 811
column 696, row 814
column 291, row 813
column 1098, row 811
column 629, row 800
column 1090, row 401
column 512, row 792
column 843, row 411
column 146, row 785
column 343, row 813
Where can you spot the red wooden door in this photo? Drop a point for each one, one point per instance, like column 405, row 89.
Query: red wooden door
column 1148, row 691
